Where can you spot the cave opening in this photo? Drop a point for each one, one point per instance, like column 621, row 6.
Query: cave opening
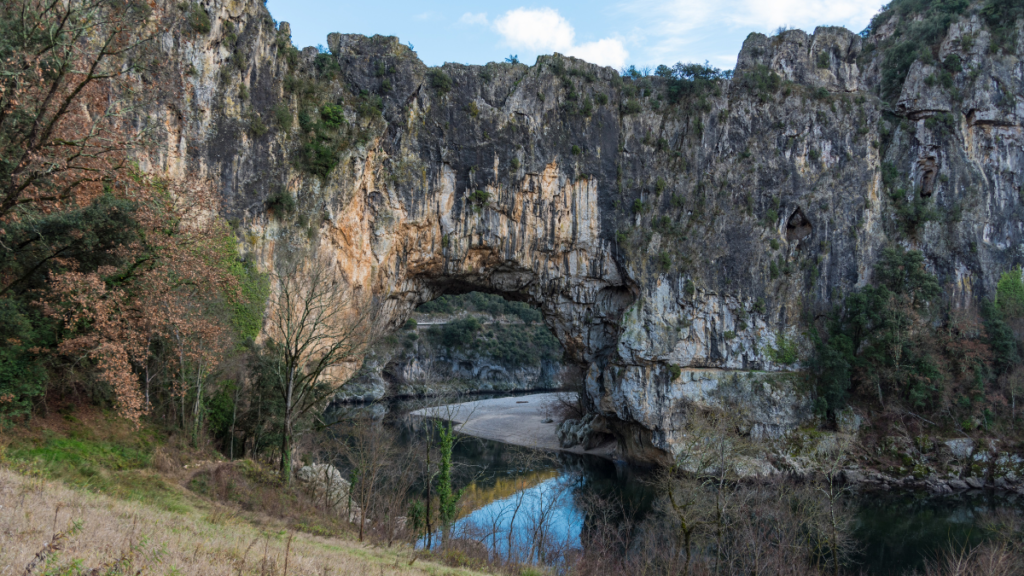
column 798, row 226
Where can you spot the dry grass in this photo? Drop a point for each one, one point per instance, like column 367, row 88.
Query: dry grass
column 141, row 536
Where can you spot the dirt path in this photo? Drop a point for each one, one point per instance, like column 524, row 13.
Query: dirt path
column 518, row 420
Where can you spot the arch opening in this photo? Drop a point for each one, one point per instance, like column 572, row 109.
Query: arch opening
column 469, row 341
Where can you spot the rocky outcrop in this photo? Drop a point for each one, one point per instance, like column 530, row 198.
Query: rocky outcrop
column 654, row 236
column 328, row 488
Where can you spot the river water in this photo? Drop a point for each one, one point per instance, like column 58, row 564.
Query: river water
column 508, row 486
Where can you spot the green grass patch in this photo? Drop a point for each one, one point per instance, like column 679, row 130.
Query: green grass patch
column 81, row 461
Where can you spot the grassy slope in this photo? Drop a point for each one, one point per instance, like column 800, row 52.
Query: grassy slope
column 92, row 471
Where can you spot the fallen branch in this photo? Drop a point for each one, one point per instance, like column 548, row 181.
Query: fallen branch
column 54, row 546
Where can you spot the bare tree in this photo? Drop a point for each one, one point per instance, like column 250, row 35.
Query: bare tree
column 831, row 458
column 317, row 327
column 374, row 456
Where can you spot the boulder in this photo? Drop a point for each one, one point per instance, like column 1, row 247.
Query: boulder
column 327, row 486
column 574, row 432
column 847, row 421
column 957, row 484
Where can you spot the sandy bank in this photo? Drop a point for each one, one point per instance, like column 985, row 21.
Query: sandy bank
column 518, row 420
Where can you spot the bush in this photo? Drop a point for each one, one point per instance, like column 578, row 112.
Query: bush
column 601, row 99
column 326, row 64
column 370, row 106
column 912, row 215
column 22, row 377
column 942, row 125
column 760, row 306
column 440, row 81
column 1010, row 294
column 460, row 332
column 332, row 115
column 631, row 106
column 760, row 81
column 283, row 115
column 784, row 352
column 587, row 107
column 198, row 19
column 318, row 159
column 256, row 125
column 239, row 60
column 281, row 203
column 306, row 123
column 664, row 261
column 480, row 197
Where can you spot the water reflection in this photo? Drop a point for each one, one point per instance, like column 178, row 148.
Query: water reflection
column 539, row 523
column 525, row 505
column 899, row 532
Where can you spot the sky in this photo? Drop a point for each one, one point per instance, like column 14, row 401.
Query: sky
column 613, row 33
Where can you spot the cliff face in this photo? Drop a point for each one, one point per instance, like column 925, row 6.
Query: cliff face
column 669, row 245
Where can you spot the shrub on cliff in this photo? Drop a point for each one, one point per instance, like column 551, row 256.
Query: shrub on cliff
column 1002, row 17
column 326, row 65
column 690, row 80
column 920, row 27
column 283, row 115
column 440, row 81
column 318, row 159
column 332, row 115
column 760, row 81
column 281, row 203
column 198, row 19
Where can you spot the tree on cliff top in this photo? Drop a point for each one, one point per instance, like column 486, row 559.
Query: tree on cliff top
column 317, row 324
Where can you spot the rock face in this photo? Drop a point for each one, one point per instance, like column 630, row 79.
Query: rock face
column 328, row 487
column 657, row 238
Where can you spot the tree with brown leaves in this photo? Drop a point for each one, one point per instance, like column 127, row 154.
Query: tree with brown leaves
column 60, row 65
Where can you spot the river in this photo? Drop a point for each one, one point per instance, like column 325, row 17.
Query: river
column 529, row 490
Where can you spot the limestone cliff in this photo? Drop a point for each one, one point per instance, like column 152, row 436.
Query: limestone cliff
column 668, row 243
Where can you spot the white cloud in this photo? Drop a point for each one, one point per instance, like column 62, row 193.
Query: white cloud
column 670, row 30
column 607, row 52
column 474, row 19
column 674, row 16
column 540, row 30
column 770, row 14
column 544, row 30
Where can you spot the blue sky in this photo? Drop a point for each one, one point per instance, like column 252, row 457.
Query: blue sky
column 609, row 32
